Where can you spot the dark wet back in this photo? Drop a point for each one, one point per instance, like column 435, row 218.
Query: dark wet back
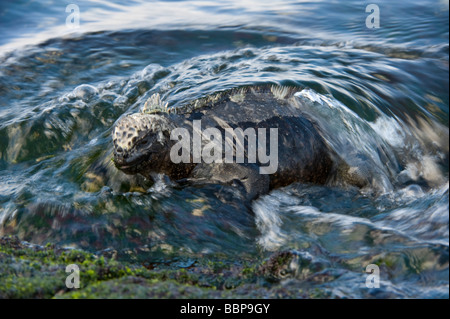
column 302, row 152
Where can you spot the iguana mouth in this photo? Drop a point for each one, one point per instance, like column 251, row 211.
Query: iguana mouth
column 129, row 161
column 124, row 164
column 130, row 167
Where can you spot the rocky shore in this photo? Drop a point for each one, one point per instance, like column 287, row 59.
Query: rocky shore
column 32, row 271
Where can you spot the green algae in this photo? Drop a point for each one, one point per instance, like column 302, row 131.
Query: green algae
column 31, row 271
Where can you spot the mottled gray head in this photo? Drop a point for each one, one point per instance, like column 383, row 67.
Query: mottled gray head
column 141, row 141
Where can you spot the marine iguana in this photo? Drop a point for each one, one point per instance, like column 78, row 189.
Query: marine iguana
column 142, row 141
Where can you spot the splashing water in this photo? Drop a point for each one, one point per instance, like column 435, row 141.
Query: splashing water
column 380, row 98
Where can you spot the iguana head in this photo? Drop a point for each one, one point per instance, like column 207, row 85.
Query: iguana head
column 142, row 139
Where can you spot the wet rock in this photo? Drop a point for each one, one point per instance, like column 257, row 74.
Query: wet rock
column 33, row 271
column 292, row 264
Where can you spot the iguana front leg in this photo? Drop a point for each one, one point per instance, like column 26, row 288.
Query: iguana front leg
column 246, row 175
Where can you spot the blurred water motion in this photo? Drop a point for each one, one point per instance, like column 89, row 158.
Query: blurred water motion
column 379, row 95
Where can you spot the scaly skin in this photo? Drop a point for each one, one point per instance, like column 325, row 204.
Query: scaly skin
column 142, row 141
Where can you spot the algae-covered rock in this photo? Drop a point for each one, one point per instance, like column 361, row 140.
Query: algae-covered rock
column 32, row 271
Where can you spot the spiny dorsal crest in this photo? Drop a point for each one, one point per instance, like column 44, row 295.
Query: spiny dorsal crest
column 154, row 104
column 281, row 92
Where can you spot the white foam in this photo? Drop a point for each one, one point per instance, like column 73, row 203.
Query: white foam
column 390, row 130
column 268, row 221
column 418, row 145
column 352, row 138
